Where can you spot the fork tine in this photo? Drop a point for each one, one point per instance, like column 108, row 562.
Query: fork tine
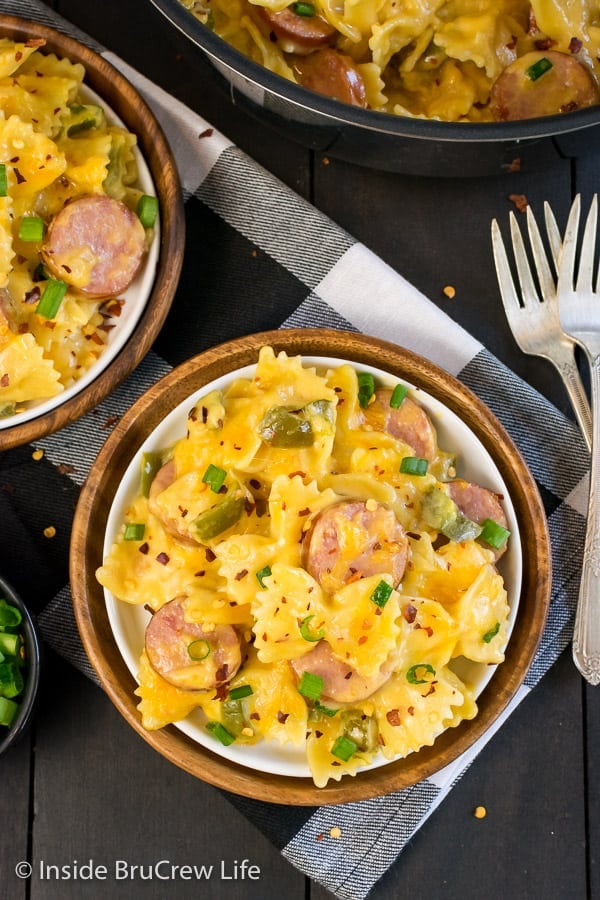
column 546, row 281
column 528, row 288
column 566, row 271
column 508, row 291
column 588, row 249
column 553, row 232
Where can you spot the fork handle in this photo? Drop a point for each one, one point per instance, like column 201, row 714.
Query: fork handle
column 586, row 635
column 571, row 378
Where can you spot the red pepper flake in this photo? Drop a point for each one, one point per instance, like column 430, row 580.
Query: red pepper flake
column 200, row 574
column 304, row 512
column 112, row 420
column 222, row 672
column 143, row 548
column 409, row 612
column 18, row 56
column 348, row 676
column 182, row 511
column 210, row 556
column 255, row 483
column 18, row 176
column 544, row 43
column 65, row 469
column 393, row 717
column 208, row 132
column 320, row 837
column 363, row 639
column 431, row 689
column 575, row 45
column 5, row 380
column 255, row 716
column 282, row 717
column 411, row 710
column 520, row 201
column 162, row 558
column 241, row 574
column 265, row 637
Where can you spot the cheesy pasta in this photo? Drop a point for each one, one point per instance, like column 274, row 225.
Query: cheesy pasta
column 313, row 569
column 453, row 60
column 70, row 239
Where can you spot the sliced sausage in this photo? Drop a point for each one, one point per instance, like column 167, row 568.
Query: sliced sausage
column 409, row 423
column 354, row 539
column 190, row 655
column 95, row 244
column 478, row 503
column 331, row 73
column 567, row 85
column 298, row 34
column 341, row 682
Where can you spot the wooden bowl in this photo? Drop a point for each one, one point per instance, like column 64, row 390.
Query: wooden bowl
column 150, row 410
column 123, row 100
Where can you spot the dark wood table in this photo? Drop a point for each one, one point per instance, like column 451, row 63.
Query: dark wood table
column 84, row 787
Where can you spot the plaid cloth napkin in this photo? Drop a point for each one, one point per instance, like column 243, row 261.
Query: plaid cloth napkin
column 247, row 226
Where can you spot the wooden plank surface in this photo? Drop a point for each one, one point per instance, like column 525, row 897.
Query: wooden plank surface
column 102, row 794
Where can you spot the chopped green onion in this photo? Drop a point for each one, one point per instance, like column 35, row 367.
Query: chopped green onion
column 412, row 676
column 262, row 574
column 8, row 711
column 198, row 650
column 494, row 534
column 31, row 229
column 381, row 594
column 3, row 181
column 51, row 298
column 214, row 477
column 220, row 732
column 344, row 748
column 310, row 686
column 414, row 465
column 151, row 463
column 326, row 710
column 491, row 633
column 539, row 68
column 134, row 531
column 366, row 388
column 238, row 693
column 306, row 632
column 304, row 9
column 9, row 615
column 147, row 210
column 398, row 395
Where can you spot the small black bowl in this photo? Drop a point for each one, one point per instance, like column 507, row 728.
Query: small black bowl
column 28, row 699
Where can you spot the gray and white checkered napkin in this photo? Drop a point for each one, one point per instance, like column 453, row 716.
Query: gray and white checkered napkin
column 343, row 286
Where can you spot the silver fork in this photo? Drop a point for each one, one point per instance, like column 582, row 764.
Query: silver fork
column 534, row 319
column 579, row 311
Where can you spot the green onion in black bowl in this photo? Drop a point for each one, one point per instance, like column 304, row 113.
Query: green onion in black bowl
column 19, row 666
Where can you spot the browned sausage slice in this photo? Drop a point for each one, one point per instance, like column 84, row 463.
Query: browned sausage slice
column 354, row 539
column 296, row 33
column 409, row 422
column 478, row 503
column 189, row 655
column 96, row 245
column 340, row 681
column 542, row 83
column 331, row 73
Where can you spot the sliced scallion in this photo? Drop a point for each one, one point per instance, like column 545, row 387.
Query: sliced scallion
column 198, row 650
column 304, row 9
column 398, row 395
column 238, row 693
column 344, row 748
column 538, row 68
column 147, row 210
column 366, row 388
column 51, row 298
column 414, row 465
column 3, row 181
column 381, row 594
column 214, row 477
column 221, row 733
column 262, row 574
column 134, row 531
column 489, row 635
column 326, row 710
column 307, row 633
column 31, row 229
column 415, row 673
column 494, row 534
column 310, row 686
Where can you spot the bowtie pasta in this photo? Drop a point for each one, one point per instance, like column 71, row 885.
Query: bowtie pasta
column 453, row 60
column 312, row 568
column 70, row 238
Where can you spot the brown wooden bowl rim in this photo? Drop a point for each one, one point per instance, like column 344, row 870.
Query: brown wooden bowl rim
column 123, row 99
column 141, row 419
